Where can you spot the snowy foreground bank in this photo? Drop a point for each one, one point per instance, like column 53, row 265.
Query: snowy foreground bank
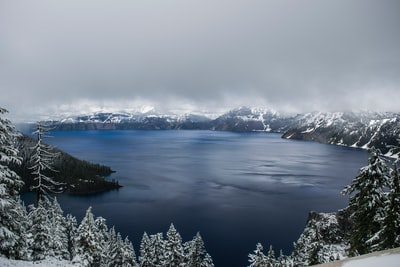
column 386, row 258
column 50, row 262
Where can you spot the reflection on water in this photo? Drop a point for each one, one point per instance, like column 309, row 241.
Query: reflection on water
column 237, row 189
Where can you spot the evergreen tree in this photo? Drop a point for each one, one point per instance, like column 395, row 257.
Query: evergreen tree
column 58, row 230
column 366, row 205
column 389, row 235
column 174, row 255
column 40, row 232
column 71, row 229
column 284, row 261
column 114, row 249
column 129, row 256
column 271, row 260
column 12, row 213
column 207, row 261
column 42, row 162
column 157, row 249
column 89, row 242
column 111, row 247
column 119, row 252
column 195, row 251
column 258, row 259
column 145, row 257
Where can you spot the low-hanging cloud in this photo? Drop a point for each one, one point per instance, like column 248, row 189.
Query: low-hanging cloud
column 301, row 56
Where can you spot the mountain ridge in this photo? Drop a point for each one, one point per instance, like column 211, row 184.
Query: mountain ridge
column 361, row 129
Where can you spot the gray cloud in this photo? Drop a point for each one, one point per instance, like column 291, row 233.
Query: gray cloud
column 297, row 55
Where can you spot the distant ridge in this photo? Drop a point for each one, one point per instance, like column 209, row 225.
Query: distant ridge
column 352, row 129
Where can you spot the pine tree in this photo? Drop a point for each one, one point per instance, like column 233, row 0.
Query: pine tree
column 366, row 205
column 271, row 260
column 207, row 261
column 58, row 230
column 284, row 261
column 389, row 235
column 258, row 259
column 89, row 242
column 12, row 214
column 114, row 249
column 145, row 257
column 174, row 255
column 129, row 256
column 42, row 162
column 40, row 232
column 71, row 229
column 195, row 251
column 157, row 249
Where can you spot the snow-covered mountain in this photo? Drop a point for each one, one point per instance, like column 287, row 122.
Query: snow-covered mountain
column 252, row 119
column 355, row 129
column 361, row 129
column 239, row 119
column 145, row 121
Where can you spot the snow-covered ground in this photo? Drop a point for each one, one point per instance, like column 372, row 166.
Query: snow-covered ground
column 51, row 262
column 384, row 260
column 388, row 258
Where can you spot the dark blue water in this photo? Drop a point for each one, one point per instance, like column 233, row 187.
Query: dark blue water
column 237, row 189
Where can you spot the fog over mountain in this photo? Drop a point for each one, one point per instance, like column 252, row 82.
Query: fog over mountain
column 70, row 56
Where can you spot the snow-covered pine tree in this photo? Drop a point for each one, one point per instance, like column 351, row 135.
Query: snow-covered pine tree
column 13, row 219
column 157, row 249
column 58, row 230
column 42, row 159
column 258, row 259
column 174, row 256
column 129, row 256
column 89, row 242
column 284, row 261
column 389, row 235
column 366, row 205
column 194, row 251
column 40, row 232
column 118, row 252
column 111, row 247
column 114, row 249
column 145, row 257
column 271, row 260
column 207, row 261
column 71, row 228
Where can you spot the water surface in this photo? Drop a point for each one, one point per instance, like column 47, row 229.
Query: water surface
column 237, row 189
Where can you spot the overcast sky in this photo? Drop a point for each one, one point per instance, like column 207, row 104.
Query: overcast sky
column 79, row 55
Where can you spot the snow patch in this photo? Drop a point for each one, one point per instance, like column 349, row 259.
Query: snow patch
column 49, row 262
column 386, row 260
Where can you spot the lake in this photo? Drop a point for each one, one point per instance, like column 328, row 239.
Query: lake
column 236, row 189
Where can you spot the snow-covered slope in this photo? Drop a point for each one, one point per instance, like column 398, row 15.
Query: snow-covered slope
column 252, row 119
column 362, row 129
column 385, row 258
column 49, row 262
